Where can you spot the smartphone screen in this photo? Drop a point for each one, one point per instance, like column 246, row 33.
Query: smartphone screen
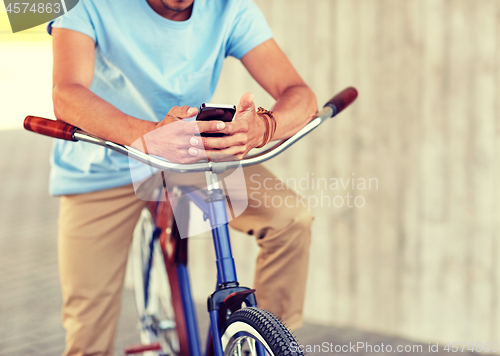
column 220, row 112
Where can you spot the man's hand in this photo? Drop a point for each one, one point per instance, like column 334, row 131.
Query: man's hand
column 245, row 132
column 176, row 139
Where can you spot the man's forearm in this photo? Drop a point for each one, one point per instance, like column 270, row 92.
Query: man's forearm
column 78, row 106
column 293, row 110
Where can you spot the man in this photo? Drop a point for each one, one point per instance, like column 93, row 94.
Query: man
column 119, row 67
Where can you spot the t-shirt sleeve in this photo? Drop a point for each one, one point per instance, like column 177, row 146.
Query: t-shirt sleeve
column 77, row 19
column 249, row 30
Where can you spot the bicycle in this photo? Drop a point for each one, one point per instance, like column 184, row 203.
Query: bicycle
column 165, row 307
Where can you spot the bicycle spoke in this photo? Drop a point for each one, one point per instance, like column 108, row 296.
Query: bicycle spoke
column 238, row 348
column 251, row 346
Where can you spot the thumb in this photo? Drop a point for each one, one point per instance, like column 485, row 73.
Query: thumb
column 246, row 103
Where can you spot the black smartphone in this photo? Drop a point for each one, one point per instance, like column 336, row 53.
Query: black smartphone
column 220, row 112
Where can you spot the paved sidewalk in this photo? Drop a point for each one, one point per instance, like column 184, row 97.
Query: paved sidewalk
column 30, row 300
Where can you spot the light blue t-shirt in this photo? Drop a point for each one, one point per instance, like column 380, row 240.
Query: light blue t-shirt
column 144, row 65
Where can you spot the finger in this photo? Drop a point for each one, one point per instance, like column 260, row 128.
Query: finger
column 174, row 111
column 235, row 127
column 191, row 111
column 196, row 142
column 246, row 103
column 223, row 142
column 169, row 119
column 232, row 154
column 198, row 153
column 211, row 126
column 230, row 151
column 183, row 112
column 196, row 127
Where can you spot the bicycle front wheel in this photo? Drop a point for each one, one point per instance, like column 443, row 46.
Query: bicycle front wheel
column 248, row 327
column 152, row 290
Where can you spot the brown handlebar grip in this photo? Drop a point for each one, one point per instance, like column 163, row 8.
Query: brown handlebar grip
column 342, row 100
column 52, row 128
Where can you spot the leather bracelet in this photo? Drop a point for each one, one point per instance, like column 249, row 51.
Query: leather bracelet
column 271, row 125
column 266, row 133
column 270, row 114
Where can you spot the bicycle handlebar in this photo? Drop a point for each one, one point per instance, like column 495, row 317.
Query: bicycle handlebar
column 62, row 130
column 342, row 100
column 52, row 128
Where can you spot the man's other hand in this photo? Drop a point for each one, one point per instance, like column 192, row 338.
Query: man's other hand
column 245, row 132
column 176, row 139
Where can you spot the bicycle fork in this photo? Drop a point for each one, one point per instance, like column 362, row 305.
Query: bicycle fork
column 228, row 295
column 228, row 291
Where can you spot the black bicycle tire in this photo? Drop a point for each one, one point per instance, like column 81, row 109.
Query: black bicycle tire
column 279, row 338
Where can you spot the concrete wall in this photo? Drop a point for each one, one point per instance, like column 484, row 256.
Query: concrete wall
column 420, row 259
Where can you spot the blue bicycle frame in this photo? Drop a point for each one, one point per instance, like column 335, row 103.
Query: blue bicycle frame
column 212, row 203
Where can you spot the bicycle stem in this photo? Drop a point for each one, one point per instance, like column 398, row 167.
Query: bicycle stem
column 212, row 180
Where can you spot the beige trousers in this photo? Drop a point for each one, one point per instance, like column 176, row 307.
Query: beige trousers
column 95, row 232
